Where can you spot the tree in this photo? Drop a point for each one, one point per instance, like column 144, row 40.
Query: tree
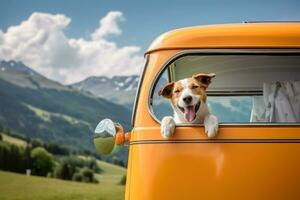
column 36, row 143
column 57, row 149
column 16, row 160
column 12, row 158
column 123, row 180
column 42, row 161
column 77, row 177
column 27, row 156
column 92, row 164
column 87, row 175
column 4, row 156
column 70, row 167
column 65, row 169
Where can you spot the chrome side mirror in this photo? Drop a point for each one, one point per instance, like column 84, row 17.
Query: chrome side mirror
column 109, row 137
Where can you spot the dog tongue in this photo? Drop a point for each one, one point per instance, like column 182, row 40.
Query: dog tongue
column 189, row 113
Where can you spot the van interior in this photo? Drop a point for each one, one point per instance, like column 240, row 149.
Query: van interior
column 248, row 88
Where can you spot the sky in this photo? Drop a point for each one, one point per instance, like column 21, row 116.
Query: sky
column 69, row 40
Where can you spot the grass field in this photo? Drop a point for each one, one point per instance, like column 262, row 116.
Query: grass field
column 21, row 187
column 112, row 174
column 13, row 140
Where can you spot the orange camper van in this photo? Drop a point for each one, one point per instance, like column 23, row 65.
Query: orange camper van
column 256, row 97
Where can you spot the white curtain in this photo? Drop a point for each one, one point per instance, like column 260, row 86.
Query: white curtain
column 280, row 103
column 258, row 113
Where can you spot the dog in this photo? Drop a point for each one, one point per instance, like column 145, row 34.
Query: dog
column 188, row 100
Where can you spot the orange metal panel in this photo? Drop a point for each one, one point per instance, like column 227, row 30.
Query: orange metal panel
column 253, row 35
column 197, row 168
column 243, row 162
column 225, row 132
column 156, row 60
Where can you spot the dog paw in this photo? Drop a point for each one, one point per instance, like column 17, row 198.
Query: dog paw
column 167, row 128
column 211, row 125
column 211, row 131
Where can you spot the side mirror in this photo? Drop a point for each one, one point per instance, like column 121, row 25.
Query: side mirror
column 109, row 137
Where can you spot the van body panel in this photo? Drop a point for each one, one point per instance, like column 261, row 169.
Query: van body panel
column 248, row 35
column 248, row 132
column 215, row 171
column 243, row 161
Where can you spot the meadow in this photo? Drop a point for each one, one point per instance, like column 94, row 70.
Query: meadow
column 15, row 186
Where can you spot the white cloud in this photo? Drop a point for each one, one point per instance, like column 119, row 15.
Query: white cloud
column 108, row 25
column 40, row 43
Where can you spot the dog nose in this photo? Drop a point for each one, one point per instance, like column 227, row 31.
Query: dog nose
column 187, row 99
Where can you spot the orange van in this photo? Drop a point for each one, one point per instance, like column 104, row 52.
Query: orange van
column 255, row 95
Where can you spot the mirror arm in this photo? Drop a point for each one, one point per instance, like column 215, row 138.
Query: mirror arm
column 122, row 138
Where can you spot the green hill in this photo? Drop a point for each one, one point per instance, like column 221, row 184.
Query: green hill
column 36, row 107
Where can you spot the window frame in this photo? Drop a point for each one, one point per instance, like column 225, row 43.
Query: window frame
column 283, row 51
column 137, row 93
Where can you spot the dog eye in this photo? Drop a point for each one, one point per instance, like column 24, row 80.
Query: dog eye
column 195, row 86
column 176, row 91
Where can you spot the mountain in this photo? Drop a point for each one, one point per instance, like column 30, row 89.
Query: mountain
column 117, row 89
column 19, row 74
column 34, row 106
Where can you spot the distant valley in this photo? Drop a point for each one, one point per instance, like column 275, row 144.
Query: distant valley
column 34, row 106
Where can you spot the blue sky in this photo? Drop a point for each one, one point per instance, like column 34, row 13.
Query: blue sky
column 147, row 19
column 74, row 44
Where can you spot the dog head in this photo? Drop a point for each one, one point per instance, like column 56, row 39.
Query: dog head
column 187, row 95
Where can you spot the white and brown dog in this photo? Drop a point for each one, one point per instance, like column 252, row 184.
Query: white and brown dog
column 188, row 100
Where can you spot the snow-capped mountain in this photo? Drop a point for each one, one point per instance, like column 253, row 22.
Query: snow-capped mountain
column 117, row 83
column 13, row 66
column 19, row 74
column 119, row 89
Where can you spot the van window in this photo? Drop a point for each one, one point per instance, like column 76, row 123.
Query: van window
column 248, row 88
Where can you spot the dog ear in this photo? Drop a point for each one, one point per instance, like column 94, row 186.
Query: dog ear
column 204, row 79
column 166, row 91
